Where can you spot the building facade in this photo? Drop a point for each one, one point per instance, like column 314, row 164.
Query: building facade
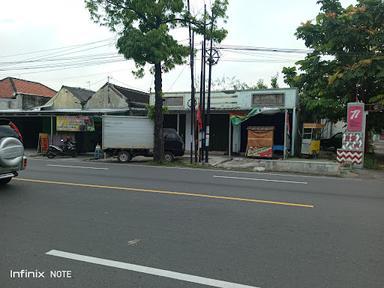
column 228, row 138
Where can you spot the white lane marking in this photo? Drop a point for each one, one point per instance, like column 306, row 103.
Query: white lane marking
column 260, row 179
column 79, row 167
column 148, row 270
column 133, row 242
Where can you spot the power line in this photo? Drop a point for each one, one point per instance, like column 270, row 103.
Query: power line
column 177, row 78
column 58, row 48
column 73, row 67
column 126, row 85
column 266, row 49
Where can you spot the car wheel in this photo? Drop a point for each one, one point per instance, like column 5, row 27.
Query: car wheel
column 124, row 156
column 168, row 157
column 51, row 155
column 5, row 181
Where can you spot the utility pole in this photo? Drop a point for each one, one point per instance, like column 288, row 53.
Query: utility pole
column 203, row 139
column 202, row 80
column 193, row 102
column 210, row 63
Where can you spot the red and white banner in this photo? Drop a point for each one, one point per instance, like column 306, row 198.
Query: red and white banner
column 348, row 156
column 353, row 141
column 355, row 117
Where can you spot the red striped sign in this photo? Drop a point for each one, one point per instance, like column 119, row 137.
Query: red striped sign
column 348, row 156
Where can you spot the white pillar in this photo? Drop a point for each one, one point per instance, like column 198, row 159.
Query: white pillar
column 294, row 131
column 188, row 136
column 285, row 133
column 236, row 138
column 230, row 138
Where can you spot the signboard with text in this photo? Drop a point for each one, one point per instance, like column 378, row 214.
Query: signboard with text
column 355, row 117
column 75, row 123
column 353, row 139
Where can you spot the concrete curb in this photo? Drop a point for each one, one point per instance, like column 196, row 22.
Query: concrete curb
column 292, row 166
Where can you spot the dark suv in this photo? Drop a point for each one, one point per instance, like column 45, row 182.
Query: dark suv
column 173, row 144
column 333, row 143
column 12, row 157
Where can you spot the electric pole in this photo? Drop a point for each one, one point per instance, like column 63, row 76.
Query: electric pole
column 193, row 102
column 210, row 63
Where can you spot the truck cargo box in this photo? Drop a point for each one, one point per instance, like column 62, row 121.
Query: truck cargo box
column 127, row 132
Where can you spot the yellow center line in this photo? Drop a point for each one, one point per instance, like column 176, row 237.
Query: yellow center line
column 168, row 192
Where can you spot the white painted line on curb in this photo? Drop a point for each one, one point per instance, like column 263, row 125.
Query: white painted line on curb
column 148, row 270
column 262, row 180
column 79, row 167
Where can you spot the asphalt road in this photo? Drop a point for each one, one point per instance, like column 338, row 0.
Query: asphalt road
column 117, row 225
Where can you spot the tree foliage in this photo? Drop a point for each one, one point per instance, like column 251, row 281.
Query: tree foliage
column 233, row 83
column 346, row 62
column 274, row 79
column 144, row 29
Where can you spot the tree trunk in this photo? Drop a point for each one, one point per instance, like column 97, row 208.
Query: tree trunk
column 158, row 151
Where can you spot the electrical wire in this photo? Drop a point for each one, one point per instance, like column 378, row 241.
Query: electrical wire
column 58, row 48
column 177, row 78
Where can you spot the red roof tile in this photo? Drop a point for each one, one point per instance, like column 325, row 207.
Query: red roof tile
column 6, row 89
column 9, row 86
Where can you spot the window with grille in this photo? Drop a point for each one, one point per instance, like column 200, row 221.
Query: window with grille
column 173, row 101
column 268, row 100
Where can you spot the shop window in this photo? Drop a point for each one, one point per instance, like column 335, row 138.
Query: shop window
column 266, row 100
column 307, row 133
column 173, row 101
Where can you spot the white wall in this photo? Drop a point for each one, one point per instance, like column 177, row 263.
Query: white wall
column 188, row 131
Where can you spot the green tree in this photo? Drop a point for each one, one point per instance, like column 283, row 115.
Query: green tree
column 233, row 83
column 346, row 62
column 229, row 83
column 144, row 30
column 274, row 79
column 260, row 84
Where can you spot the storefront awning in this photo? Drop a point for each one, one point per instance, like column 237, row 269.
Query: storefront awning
column 238, row 119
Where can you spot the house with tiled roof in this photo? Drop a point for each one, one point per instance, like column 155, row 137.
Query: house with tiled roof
column 20, row 94
column 112, row 96
column 69, row 98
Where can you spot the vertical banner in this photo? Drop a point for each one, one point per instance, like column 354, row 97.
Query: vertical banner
column 355, row 117
column 354, row 138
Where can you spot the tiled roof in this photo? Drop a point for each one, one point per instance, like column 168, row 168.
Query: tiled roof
column 10, row 86
column 132, row 95
column 82, row 94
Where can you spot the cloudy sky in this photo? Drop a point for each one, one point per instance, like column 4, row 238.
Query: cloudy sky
column 55, row 42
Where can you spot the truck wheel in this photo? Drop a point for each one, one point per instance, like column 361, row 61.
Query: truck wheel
column 168, row 157
column 51, row 155
column 5, row 181
column 124, row 156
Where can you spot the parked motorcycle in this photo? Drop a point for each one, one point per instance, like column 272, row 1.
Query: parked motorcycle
column 68, row 148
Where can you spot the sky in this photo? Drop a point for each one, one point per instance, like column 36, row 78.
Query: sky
column 56, row 43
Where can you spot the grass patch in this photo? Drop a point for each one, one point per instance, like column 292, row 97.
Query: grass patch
column 370, row 161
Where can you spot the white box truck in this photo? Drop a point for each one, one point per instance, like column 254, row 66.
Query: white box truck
column 125, row 137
